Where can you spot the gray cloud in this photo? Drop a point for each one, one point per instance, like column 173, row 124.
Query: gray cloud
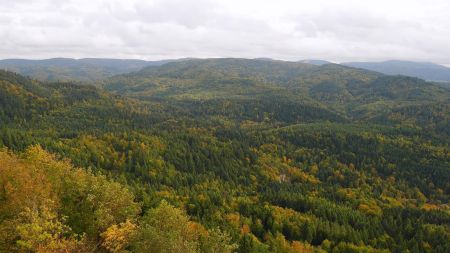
column 341, row 30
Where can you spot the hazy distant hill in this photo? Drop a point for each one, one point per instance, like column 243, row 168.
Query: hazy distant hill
column 315, row 62
column 66, row 69
column 425, row 70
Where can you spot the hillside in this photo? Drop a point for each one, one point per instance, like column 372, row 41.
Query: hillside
column 346, row 92
column 225, row 155
column 424, row 70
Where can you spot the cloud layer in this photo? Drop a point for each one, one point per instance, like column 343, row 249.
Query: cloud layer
column 340, row 30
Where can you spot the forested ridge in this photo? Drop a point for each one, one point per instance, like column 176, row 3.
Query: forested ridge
column 225, row 155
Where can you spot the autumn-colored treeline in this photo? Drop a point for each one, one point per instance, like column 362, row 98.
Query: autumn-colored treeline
column 47, row 205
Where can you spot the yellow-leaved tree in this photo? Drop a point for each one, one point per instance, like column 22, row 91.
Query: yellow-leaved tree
column 47, row 205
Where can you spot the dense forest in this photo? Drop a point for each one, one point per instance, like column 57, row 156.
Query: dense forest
column 225, row 155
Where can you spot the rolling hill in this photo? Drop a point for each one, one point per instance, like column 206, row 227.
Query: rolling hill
column 348, row 93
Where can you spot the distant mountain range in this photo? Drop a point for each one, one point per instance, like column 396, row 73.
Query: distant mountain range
column 425, row 70
column 66, row 69
column 95, row 69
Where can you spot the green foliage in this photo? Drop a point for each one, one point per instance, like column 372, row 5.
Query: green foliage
column 168, row 229
column 165, row 229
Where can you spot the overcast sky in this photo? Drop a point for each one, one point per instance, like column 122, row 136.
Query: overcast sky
column 335, row 30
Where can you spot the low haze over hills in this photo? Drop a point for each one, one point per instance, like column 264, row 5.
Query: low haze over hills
column 425, row 70
column 315, row 62
column 66, row 69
